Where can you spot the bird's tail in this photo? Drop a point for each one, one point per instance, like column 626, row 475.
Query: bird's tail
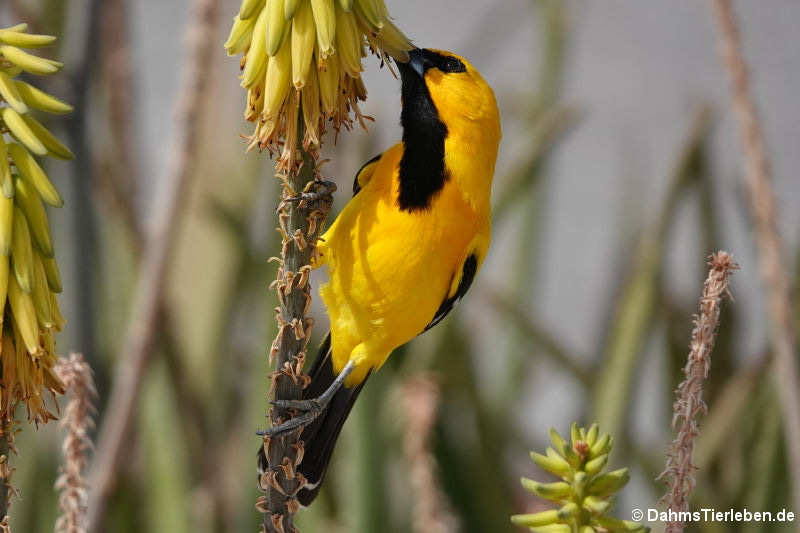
column 320, row 436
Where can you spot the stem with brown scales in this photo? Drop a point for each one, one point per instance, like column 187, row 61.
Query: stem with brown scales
column 300, row 225
column 679, row 471
column 764, row 210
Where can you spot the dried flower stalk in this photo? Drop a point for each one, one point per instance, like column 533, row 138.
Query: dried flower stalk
column 679, row 470
column 431, row 510
column 300, row 223
column 29, row 277
column 764, row 211
column 78, row 421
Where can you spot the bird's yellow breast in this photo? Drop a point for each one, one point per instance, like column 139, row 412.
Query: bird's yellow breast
column 389, row 270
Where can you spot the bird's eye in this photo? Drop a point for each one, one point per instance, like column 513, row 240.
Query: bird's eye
column 451, row 64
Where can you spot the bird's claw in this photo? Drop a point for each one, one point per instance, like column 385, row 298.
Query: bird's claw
column 300, row 405
column 310, row 410
column 294, row 423
column 317, row 193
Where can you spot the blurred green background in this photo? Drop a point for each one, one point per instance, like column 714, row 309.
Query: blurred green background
column 619, row 173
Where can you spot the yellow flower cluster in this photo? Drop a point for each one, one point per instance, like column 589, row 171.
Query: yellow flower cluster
column 304, row 56
column 586, row 491
column 29, row 278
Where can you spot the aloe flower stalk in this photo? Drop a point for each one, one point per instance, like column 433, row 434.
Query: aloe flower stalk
column 29, row 278
column 304, row 56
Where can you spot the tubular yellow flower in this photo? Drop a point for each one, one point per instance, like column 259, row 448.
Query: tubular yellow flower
column 306, row 55
column 29, row 279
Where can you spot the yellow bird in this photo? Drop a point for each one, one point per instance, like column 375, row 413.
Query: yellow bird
column 407, row 246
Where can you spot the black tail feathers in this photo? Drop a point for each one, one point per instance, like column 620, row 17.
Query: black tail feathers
column 320, row 436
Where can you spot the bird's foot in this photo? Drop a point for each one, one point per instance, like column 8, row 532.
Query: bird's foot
column 316, row 195
column 309, row 410
column 301, row 405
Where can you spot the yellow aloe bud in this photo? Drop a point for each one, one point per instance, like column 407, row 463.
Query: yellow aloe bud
column 31, row 171
column 29, row 62
column 21, row 131
column 591, row 435
column 250, row 8
column 24, row 315
column 10, row 93
column 602, row 445
column 595, row 465
column 240, row 36
column 596, row 505
column 277, row 26
column 542, row 518
column 54, row 147
column 290, row 8
column 609, row 483
column 29, row 203
column 568, row 511
column 25, row 40
column 21, row 251
column 348, row 43
column 555, row 465
column 40, row 100
column 369, row 10
column 548, row 491
column 575, row 434
column 329, row 86
column 304, row 35
column 279, row 72
column 325, row 20
column 257, row 57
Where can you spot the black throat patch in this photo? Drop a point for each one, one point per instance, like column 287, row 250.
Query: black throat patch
column 422, row 169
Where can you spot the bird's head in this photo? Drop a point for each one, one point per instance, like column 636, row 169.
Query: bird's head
column 457, row 92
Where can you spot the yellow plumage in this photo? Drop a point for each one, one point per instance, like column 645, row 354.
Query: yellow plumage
column 390, row 269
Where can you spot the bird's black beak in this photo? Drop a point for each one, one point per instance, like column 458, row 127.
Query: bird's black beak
column 418, row 61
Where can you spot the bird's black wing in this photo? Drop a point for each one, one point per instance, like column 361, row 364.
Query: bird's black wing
column 468, row 271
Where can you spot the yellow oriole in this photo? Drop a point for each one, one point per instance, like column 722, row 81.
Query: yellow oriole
column 407, row 246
